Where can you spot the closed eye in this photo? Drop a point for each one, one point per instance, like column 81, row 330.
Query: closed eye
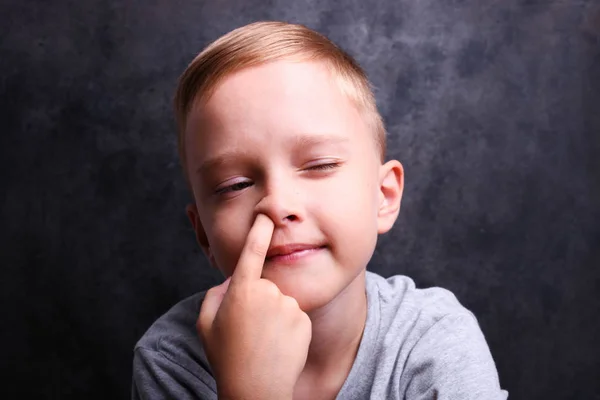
column 323, row 167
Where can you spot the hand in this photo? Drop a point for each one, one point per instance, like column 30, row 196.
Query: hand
column 256, row 338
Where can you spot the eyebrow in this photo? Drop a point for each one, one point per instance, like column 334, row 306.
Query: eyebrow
column 300, row 142
column 303, row 141
column 219, row 161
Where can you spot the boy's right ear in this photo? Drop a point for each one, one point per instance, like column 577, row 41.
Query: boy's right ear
column 192, row 213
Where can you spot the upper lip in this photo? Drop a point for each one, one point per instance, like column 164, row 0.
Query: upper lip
column 290, row 248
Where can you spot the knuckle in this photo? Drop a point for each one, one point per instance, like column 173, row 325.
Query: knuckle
column 212, row 295
column 306, row 320
column 270, row 289
column 202, row 324
column 212, row 292
column 305, row 324
column 290, row 303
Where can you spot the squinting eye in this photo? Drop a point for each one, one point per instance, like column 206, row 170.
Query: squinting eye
column 235, row 187
column 321, row 167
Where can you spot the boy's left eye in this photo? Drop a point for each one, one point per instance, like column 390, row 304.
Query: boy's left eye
column 324, row 166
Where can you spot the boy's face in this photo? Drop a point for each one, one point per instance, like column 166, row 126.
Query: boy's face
column 282, row 140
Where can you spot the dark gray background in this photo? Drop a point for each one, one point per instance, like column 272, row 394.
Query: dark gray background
column 492, row 106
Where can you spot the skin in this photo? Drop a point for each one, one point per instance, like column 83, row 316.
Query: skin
column 280, row 140
column 256, row 338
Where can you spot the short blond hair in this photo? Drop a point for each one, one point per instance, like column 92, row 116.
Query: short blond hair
column 261, row 42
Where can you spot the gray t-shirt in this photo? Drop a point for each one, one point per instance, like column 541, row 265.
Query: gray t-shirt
column 417, row 344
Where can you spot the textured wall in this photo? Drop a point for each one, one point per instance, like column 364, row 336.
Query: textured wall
column 492, row 106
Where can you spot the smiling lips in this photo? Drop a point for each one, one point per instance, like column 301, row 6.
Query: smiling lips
column 292, row 252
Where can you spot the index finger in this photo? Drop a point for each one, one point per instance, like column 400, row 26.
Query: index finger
column 252, row 259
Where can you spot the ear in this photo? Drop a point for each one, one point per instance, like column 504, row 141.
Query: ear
column 192, row 213
column 391, row 186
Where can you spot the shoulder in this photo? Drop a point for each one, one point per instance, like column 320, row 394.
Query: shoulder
column 171, row 345
column 178, row 322
column 407, row 314
column 399, row 299
column 436, row 340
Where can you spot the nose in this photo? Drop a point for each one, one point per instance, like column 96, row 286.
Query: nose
column 281, row 202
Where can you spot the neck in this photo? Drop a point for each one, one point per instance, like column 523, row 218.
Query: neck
column 337, row 330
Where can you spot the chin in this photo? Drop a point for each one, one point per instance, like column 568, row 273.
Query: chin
column 311, row 303
column 312, row 291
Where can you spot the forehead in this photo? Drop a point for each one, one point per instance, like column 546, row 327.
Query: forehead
column 272, row 104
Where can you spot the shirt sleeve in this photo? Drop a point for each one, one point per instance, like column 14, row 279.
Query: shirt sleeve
column 452, row 361
column 156, row 377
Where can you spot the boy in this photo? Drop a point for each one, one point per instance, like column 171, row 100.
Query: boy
column 283, row 148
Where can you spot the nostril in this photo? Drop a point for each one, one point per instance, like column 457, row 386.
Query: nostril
column 291, row 218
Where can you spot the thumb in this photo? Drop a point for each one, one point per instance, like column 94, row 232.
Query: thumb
column 210, row 306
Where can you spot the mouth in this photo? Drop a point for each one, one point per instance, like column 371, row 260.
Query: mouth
column 293, row 252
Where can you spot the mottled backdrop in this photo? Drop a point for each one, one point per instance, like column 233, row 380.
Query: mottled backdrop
column 492, row 106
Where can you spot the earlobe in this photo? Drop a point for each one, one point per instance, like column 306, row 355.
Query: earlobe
column 391, row 187
column 192, row 213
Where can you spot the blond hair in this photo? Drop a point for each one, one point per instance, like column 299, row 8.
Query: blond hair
column 259, row 43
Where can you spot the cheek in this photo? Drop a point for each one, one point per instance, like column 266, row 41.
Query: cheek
column 349, row 205
column 227, row 238
column 357, row 216
column 356, row 195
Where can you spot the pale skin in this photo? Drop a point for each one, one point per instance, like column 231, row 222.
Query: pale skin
column 278, row 156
